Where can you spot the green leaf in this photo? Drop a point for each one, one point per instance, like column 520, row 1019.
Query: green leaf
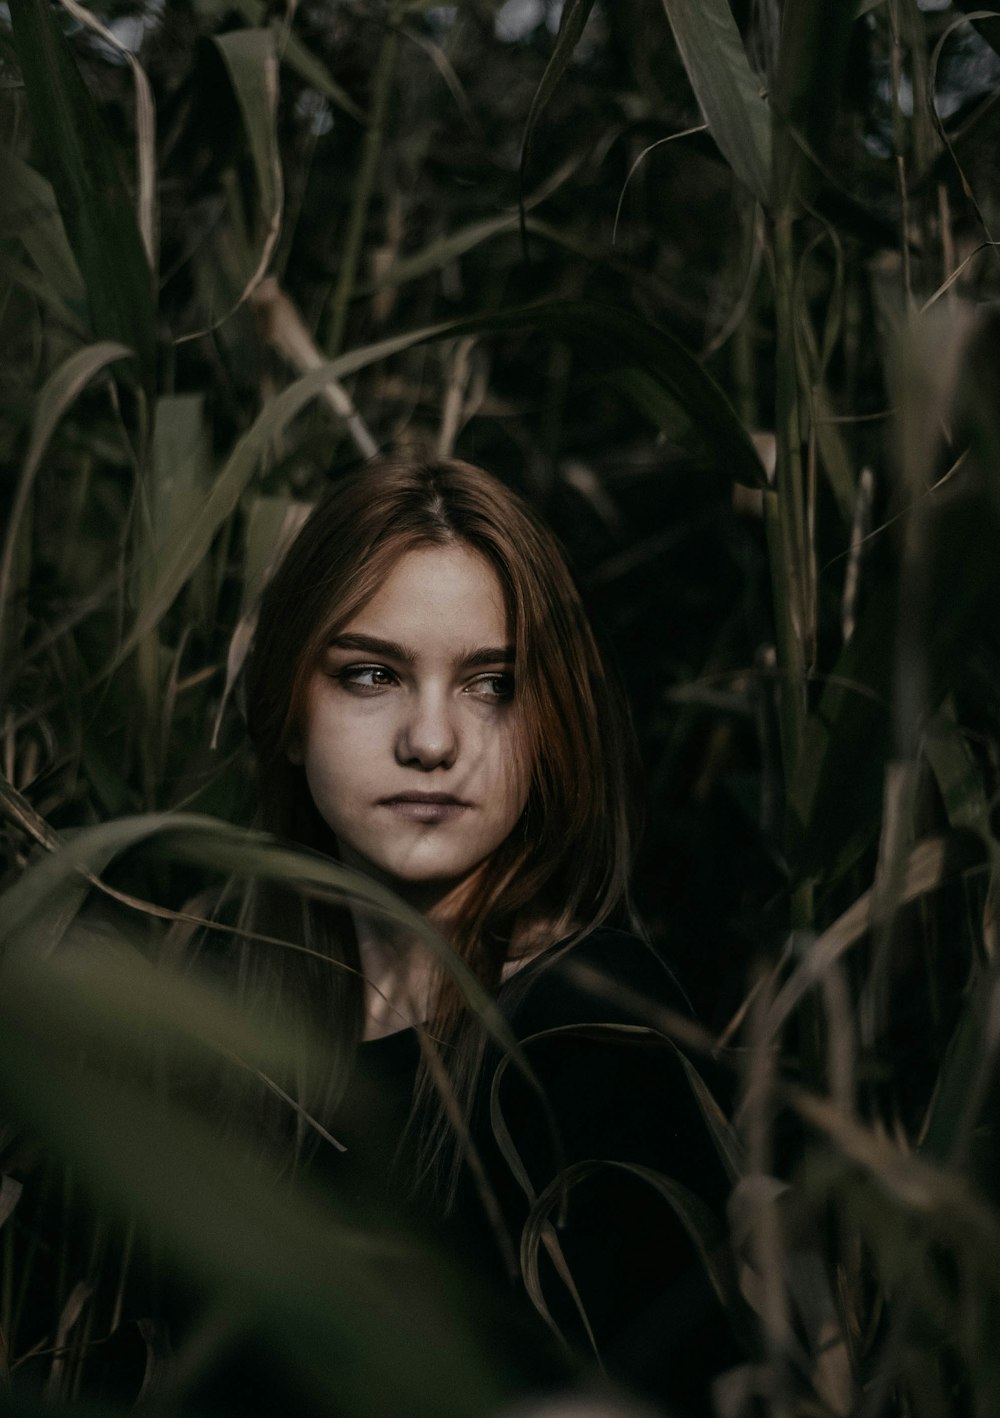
column 441, row 252
column 145, row 130
column 82, row 165
column 252, row 65
column 313, row 1287
column 609, row 339
column 272, row 523
column 572, row 22
column 834, row 801
column 940, row 606
column 726, row 88
column 181, row 463
column 292, row 52
column 172, row 493
column 959, row 778
column 30, row 213
column 833, row 455
column 616, row 343
column 811, row 64
column 57, row 394
column 963, row 1082
column 54, row 887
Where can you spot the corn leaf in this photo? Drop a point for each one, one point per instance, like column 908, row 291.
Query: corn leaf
column 82, row 166
column 30, row 213
column 293, row 52
column 145, row 130
column 728, row 91
column 929, row 865
column 962, row 1085
column 252, row 65
column 322, row 1291
column 38, row 907
column 611, row 339
column 572, row 20
column 811, row 64
column 56, row 396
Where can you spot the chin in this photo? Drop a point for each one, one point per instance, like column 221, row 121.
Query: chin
column 427, row 884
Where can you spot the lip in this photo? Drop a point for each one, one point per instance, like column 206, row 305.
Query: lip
column 425, row 807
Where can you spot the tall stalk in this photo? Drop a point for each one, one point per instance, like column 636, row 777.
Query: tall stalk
column 364, row 183
column 786, row 519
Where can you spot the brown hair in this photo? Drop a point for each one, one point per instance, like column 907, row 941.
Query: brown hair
column 565, row 868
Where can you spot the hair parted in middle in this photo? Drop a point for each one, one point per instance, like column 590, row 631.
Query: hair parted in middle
column 564, row 868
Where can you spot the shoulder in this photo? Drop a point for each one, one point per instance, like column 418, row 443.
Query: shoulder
column 622, row 1094
column 604, row 977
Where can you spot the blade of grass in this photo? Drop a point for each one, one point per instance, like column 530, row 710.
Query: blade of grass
column 30, row 213
column 252, row 65
column 938, row 1196
column 930, row 864
column 728, row 92
column 364, row 182
column 321, row 1290
column 145, row 130
column 40, row 905
column 572, row 22
column 812, row 60
column 56, row 396
column 295, row 54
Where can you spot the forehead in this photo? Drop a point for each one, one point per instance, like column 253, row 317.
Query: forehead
column 437, row 596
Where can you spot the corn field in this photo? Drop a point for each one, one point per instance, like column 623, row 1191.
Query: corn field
column 713, row 284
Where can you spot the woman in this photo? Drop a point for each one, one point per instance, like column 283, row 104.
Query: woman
column 426, row 703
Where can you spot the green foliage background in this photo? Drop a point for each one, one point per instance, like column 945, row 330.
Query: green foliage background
column 714, row 286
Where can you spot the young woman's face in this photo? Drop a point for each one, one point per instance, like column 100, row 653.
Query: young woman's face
column 410, row 738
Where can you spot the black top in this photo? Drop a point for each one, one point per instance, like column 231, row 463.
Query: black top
column 614, row 1097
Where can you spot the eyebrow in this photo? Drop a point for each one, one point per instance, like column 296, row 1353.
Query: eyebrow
column 393, row 650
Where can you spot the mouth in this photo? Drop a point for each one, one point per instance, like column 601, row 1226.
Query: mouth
column 446, row 799
column 425, row 807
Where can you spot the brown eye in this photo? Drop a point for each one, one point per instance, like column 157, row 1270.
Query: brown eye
column 366, row 677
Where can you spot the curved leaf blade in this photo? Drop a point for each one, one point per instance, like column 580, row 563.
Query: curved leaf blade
column 726, row 88
column 30, row 213
column 252, row 65
column 58, row 393
column 572, row 22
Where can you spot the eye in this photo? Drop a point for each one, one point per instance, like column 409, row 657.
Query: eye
column 495, row 687
column 366, row 678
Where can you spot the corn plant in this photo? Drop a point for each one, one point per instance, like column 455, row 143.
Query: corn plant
column 712, row 284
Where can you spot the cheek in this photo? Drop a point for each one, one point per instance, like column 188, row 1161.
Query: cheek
column 338, row 754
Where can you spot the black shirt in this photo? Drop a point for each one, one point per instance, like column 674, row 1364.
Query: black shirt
column 617, row 1097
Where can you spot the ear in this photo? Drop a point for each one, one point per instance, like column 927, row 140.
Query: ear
column 293, row 750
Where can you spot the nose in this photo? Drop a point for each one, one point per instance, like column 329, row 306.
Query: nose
column 427, row 737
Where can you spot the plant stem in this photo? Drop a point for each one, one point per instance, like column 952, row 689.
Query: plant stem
column 365, row 181
column 785, row 510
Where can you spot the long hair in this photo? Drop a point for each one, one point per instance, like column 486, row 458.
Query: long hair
column 563, row 869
